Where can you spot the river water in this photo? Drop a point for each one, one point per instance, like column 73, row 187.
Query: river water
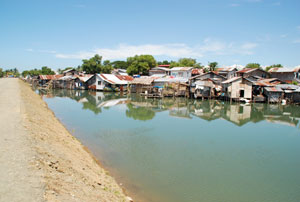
column 180, row 150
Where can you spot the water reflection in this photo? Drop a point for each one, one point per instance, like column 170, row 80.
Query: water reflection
column 140, row 108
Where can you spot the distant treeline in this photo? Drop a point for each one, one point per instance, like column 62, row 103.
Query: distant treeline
column 139, row 64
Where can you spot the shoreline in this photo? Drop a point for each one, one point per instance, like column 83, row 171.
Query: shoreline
column 71, row 171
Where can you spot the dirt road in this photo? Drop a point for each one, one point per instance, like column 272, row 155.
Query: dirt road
column 40, row 160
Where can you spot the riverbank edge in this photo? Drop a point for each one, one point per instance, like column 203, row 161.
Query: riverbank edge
column 71, row 171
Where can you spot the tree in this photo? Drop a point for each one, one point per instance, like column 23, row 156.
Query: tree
column 119, row 64
column 140, row 64
column 92, row 65
column 165, row 62
column 47, row 71
column 186, row 62
column 1, row 73
column 253, row 66
column 212, row 66
column 106, row 67
column 272, row 66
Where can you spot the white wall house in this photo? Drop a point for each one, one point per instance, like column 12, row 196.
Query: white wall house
column 183, row 72
column 108, row 82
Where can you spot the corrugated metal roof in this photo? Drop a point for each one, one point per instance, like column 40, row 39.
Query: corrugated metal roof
column 112, row 79
column 273, row 89
column 231, row 80
column 181, row 68
column 246, row 70
column 50, row 77
column 171, row 79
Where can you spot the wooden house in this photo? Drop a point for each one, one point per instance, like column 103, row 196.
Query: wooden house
column 70, row 72
column 203, row 89
column 237, row 88
column 247, row 72
column 228, row 72
column 141, row 85
column 163, row 71
column 273, row 94
column 284, row 74
column 213, row 76
column 43, row 79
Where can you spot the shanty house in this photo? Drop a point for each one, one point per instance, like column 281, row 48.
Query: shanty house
column 285, row 74
column 228, row 73
column 159, row 71
column 203, row 89
column 141, row 85
column 247, row 72
column 237, row 88
column 273, row 94
column 183, row 72
column 216, row 78
column 43, row 79
column 108, row 82
column 70, row 72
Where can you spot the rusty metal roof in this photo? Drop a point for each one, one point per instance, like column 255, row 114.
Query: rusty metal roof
column 273, row 89
column 50, row 77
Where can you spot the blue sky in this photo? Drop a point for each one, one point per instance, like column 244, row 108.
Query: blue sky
column 60, row 33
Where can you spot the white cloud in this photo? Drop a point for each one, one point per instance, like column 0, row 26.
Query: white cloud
column 41, row 51
column 283, row 35
column 296, row 41
column 298, row 27
column 208, row 47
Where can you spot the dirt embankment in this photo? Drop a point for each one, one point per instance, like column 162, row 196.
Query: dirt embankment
column 58, row 167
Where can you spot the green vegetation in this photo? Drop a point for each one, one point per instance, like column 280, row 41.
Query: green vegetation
column 9, row 72
column 212, row 66
column 140, row 64
column 253, row 66
column 165, row 62
column 94, row 65
column 1, row 73
column 271, row 66
column 35, row 72
column 119, row 64
column 186, row 62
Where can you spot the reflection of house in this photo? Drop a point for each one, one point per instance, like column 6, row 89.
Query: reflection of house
column 238, row 114
column 180, row 112
column 108, row 82
column 285, row 74
column 237, row 88
column 247, row 72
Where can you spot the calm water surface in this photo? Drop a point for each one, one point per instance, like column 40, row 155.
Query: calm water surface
column 178, row 150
